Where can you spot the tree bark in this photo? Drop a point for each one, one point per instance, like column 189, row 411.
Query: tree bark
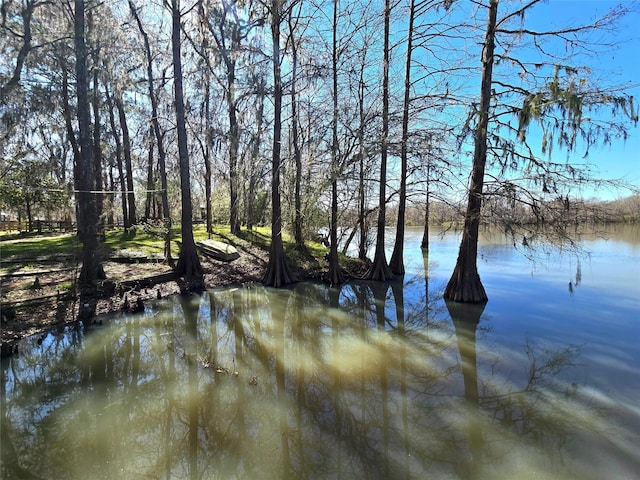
column 66, row 112
column 188, row 263
column 126, row 148
column 380, row 269
column 148, row 203
column 362, row 154
column 397, row 257
column 118, row 152
column 206, row 151
column 336, row 275
column 255, row 151
column 162, row 169
column 425, row 233
column 229, row 56
column 97, row 132
column 277, row 272
column 465, row 284
column 87, row 213
column 297, row 155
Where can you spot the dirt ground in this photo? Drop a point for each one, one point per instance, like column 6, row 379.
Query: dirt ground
column 36, row 295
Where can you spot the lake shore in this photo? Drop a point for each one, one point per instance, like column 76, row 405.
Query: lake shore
column 36, row 297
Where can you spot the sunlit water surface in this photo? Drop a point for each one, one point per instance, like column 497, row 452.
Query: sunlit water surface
column 372, row 380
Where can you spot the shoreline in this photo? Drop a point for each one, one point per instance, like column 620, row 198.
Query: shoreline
column 35, row 303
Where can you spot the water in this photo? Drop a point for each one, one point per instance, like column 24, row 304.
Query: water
column 369, row 381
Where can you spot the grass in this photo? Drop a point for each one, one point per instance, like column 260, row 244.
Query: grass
column 151, row 242
column 33, row 247
column 135, row 239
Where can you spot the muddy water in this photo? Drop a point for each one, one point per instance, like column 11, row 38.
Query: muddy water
column 372, row 380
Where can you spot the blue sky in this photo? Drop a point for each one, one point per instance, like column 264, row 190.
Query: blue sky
column 621, row 159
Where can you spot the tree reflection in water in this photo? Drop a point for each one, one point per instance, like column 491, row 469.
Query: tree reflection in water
column 368, row 380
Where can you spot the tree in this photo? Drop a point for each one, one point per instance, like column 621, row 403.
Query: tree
column 548, row 91
column 397, row 257
column 295, row 140
column 118, row 158
column 465, row 284
column 336, row 275
column 229, row 30
column 26, row 16
column 166, row 214
column 208, row 137
column 130, row 221
column 380, row 269
column 278, row 272
column 84, row 172
column 188, row 263
column 27, row 186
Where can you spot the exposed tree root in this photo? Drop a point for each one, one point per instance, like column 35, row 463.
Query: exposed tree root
column 379, row 271
column 190, row 268
column 278, row 272
column 465, row 286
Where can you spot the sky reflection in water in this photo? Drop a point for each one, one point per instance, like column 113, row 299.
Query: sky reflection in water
column 370, row 381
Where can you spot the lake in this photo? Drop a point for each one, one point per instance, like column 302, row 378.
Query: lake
column 371, row 380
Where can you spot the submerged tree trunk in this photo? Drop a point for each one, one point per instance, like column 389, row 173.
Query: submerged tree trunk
column 397, row 257
column 380, row 269
column 425, row 233
column 188, row 263
column 278, row 272
column 465, row 284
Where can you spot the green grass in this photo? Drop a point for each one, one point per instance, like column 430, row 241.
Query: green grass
column 33, row 247
column 135, row 239
column 149, row 242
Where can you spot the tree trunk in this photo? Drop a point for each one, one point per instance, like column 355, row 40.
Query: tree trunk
column 66, row 112
column 380, row 269
column 425, row 233
column 362, row 245
column 234, row 140
column 97, row 132
column 208, row 171
column 297, row 155
column 27, row 207
column 206, row 151
column 465, row 284
column 148, row 202
column 278, row 272
column 116, row 138
column 336, row 275
column 162, row 170
column 397, row 257
column 250, row 203
column 188, row 263
column 126, row 148
column 87, row 213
